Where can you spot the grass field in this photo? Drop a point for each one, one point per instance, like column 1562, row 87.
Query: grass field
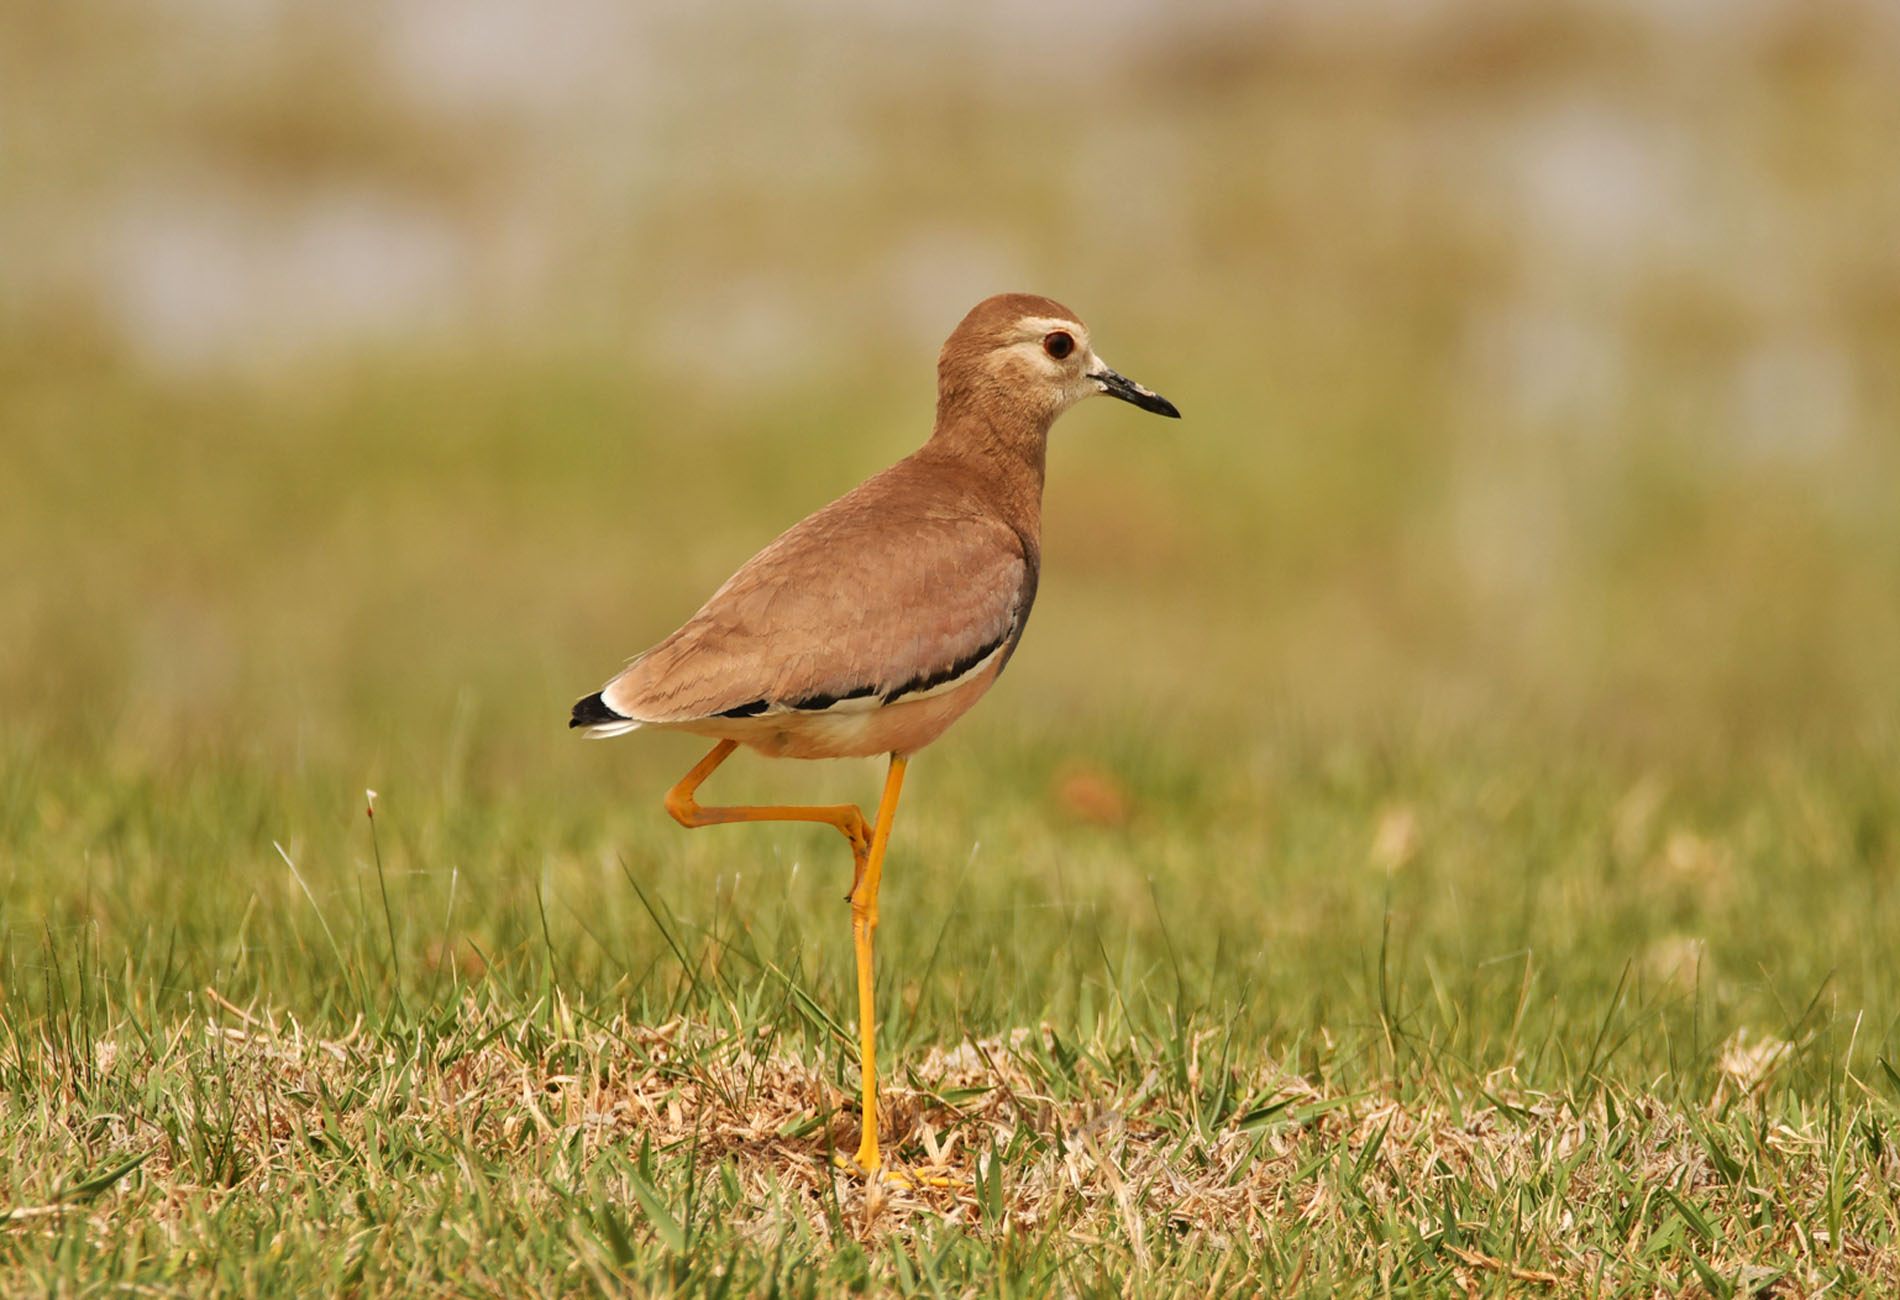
column 1193, row 985
column 1440, row 834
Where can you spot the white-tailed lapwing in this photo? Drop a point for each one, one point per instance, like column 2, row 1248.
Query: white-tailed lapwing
column 872, row 625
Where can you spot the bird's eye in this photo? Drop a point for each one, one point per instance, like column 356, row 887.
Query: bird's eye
column 1058, row 344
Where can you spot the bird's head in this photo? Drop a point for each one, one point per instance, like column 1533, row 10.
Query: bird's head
column 1020, row 354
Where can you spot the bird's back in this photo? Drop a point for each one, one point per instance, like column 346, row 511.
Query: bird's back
column 917, row 575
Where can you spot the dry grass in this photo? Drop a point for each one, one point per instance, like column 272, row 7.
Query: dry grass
column 686, row 1154
column 1440, row 827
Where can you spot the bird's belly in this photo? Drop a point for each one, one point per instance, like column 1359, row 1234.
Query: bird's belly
column 901, row 728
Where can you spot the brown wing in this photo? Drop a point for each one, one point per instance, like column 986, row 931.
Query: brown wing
column 895, row 587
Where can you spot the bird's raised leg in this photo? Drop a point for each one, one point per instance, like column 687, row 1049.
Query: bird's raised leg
column 867, row 852
column 847, row 818
column 863, row 927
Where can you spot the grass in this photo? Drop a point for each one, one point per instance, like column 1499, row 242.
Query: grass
column 1417, row 1017
column 1501, row 990
column 1440, row 832
column 1408, row 971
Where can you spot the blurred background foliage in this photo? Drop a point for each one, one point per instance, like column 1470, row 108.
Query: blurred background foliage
column 1489, row 691
column 373, row 377
column 1539, row 361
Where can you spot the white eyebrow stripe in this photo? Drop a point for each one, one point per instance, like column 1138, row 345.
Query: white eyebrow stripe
column 1044, row 324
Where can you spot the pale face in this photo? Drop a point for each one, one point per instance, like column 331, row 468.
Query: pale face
column 1051, row 357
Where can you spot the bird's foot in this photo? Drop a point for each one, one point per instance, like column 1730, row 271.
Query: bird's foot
column 879, row 1171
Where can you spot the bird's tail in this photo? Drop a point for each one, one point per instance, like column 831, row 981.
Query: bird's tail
column 597, row 721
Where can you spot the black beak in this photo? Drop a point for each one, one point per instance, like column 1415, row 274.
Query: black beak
column 1129, row 391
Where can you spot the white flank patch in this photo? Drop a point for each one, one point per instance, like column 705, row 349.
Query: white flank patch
column 872, row 703
column 943, row 688
column 861, row 704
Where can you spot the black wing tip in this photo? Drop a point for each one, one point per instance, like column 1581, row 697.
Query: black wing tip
column 593, row 712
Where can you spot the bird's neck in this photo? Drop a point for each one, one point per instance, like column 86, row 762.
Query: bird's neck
column 1004, row 449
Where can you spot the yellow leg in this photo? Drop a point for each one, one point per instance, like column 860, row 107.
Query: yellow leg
column 863, row 927
column 867, row 853
column 846, row 817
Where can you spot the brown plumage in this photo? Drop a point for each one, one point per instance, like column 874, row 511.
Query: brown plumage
column 872, row 625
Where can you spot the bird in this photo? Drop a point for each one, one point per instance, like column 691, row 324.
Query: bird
column 872, row 625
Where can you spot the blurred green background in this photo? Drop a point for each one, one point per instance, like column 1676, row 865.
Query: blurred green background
column 374, row 378
column 1484, row 703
